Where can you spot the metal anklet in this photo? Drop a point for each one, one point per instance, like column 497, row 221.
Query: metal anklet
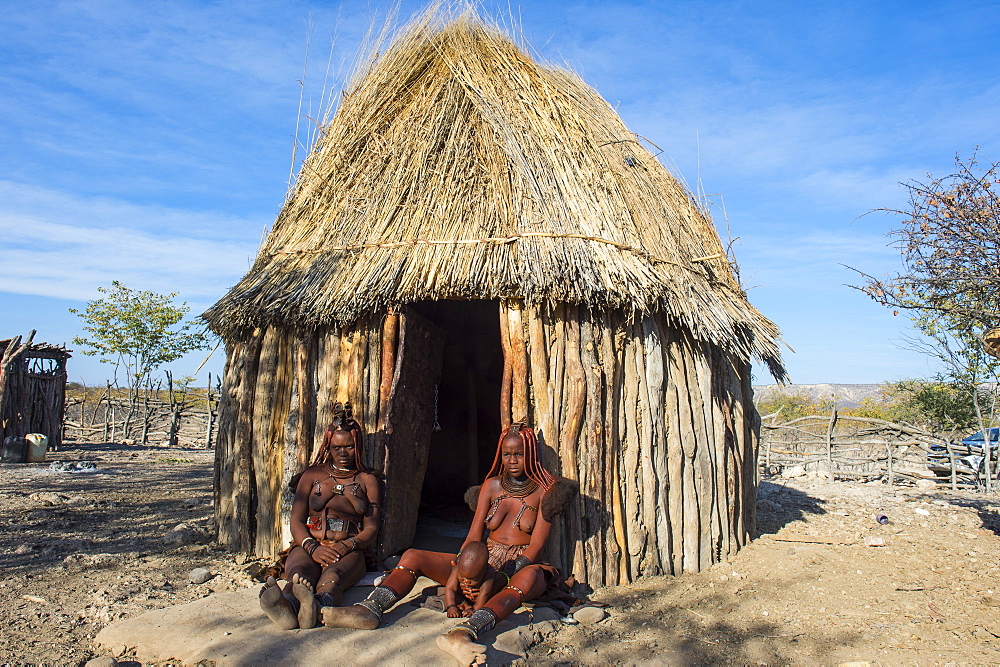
column 481, row 619
column 515, row 588
column 406, row 569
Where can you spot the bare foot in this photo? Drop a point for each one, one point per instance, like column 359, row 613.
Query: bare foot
column 308, row 607
column 460, row 646
column 353, row 616
column 277, row 608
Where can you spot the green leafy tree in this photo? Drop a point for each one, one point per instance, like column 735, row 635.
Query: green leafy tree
column 950, row 282
column 137, row 331
column 936, row 405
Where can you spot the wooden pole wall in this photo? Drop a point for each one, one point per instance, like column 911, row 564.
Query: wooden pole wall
column 278, row 393
column 657, row 427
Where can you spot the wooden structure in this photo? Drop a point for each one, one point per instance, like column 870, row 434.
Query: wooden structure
column 32, row 388
column 477, row 239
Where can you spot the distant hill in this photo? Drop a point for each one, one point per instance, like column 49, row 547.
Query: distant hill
column 846, row 395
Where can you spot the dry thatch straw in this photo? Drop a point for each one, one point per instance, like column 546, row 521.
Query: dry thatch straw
column 458, row 167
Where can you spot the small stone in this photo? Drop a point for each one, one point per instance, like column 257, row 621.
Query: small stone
column 921, row 511
column 182, row 534
column 590, row 615
column 48, row 498
column 199, row 575
column 101, row 662
column 873, row 541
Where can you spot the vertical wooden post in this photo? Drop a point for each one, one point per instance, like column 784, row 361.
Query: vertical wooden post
column 888, row 452
column 305, row 358
column 519, row 364
column 210, row 414
column 390, row 342
column 272, row 401
column 508, row 370
column 241, row 530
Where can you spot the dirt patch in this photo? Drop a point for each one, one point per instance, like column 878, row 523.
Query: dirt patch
column 83, row 548
column 811, row 590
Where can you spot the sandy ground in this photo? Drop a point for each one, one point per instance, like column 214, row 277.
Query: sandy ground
column 85, row 550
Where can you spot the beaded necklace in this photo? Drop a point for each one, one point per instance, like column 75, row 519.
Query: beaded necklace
column 514, row 489
column 337, row 473
column 518, row 488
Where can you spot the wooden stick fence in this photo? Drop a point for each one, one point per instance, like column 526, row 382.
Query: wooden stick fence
column 858, row 448
column 177, row 417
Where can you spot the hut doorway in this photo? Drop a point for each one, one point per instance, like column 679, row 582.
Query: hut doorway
column 467, row 409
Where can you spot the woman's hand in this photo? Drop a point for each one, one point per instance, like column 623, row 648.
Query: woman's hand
column 325, row 555
column 329, row 554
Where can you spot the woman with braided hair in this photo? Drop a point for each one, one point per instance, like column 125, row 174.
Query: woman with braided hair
column 510, row 507
column 334, row 519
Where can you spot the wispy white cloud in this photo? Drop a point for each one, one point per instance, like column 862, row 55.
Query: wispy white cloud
column 65, row 246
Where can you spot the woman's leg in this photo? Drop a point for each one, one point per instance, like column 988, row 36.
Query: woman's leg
column 460, row 642
column 366, row 615
column 283, row 606
column 338, row 577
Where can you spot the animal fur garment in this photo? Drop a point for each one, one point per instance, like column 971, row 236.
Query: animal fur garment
column 557, row 499
column 472, row 496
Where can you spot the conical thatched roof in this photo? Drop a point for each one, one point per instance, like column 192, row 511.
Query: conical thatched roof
column 458, row 167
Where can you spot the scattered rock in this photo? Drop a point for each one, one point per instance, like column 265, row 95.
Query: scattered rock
column 921, row 511
column 72, row 466
column 872, row 541
column 101, row 662
column 48, row 498
column 926, row 485
column 199, row 575
column 183, row 534
column 590, row 615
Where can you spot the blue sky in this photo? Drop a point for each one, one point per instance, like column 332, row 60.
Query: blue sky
column 151, row 142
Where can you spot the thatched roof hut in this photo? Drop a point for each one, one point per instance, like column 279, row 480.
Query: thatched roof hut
column 477, row 239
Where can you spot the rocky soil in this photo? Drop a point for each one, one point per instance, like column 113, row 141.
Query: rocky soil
column 84, row 547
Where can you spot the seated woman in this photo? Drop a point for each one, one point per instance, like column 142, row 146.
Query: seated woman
column 508, row 506
column 334, row 519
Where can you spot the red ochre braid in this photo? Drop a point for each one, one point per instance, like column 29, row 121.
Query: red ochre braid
column 343, row 420
column 533, row 467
